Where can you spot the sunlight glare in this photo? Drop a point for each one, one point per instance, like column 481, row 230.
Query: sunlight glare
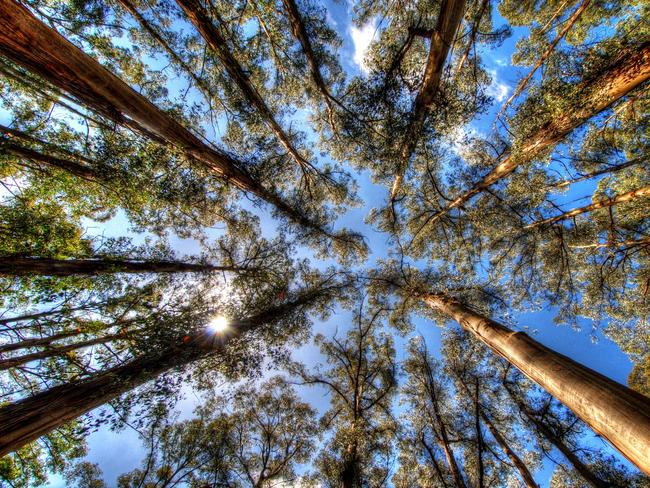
column 218, row 324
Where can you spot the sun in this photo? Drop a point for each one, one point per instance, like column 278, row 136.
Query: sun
column 218, row 324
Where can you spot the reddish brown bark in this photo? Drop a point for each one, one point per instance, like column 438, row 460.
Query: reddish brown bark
column 26, row 420
column 617, row 413
column 625, row 74
column 607, row 202
column 19, row 266
column 451, row 15
column 28, row 42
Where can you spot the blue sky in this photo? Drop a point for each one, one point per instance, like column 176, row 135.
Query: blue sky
column 117, row 453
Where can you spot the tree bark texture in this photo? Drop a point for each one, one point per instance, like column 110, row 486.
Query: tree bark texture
column 442, row 38
column 617, row 413
column 20, row 266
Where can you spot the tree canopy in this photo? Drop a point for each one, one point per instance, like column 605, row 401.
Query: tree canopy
column 224, row 225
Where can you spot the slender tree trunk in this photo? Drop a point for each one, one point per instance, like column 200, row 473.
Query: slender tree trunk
column 40, row 49
column 628, row 72
column 38, row 341
column 617, row 413
column 19, row 266
column 173, row 56
column 472, row 36
column 74, row 167
column 300, row 33
column 210, row 33
column 434, row 461
column 567, row 26
column 543, row 429
column 479, row 440
column 442, row 428
column 622, row 245
column 26, row 420
column 607, row 202
column 442, row 38
column 55, row 351
column 516, row 460
column 603, row 171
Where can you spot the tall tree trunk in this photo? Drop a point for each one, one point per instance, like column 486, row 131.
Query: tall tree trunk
column 210, row 33
column 449, row 20
column 472, row 36
column 619, row 414
column 479, row 439
column 20, row 266
column 55, row 351
column 434, row 461
column 300, row 33
column 74, row 167
column 440, row 423
column 543, row 429
column 512, row 455
column 38, row 341
column 607, row 202
column 351, row 472
column 626, row 73
column 28, row 42
column 26, row 420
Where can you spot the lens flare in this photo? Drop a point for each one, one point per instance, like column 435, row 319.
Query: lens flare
column 218, row 324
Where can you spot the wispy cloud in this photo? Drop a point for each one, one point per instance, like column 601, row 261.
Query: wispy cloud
column 497, row 89
column 361, row 38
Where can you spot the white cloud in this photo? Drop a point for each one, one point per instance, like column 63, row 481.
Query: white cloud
column 497, row 90
column 361, row 38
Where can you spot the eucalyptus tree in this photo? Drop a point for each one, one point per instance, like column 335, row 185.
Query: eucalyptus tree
column 430, row 446
column 181, row 341
column 113, row 99
column 594, row 398
column 253, row 437
column 387, row 129
column 361, row 379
